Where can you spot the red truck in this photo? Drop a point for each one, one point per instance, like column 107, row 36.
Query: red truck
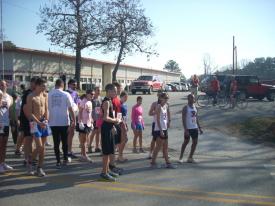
column 146, row 83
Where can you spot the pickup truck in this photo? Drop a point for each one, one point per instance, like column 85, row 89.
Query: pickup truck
column 146, row 83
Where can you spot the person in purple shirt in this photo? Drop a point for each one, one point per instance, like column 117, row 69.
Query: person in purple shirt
column 72, row 91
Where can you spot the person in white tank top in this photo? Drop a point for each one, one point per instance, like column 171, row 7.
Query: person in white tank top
column 191, row 127
column 162, row 123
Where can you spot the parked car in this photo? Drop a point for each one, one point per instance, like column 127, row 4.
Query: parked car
column 178, row 85
column 146, row 83
column 173, row 87
column 205, row 84
column 167, row 88
column 185, row 87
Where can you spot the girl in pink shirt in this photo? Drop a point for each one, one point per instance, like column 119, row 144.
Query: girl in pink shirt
column 137, row 125
column 85, row 122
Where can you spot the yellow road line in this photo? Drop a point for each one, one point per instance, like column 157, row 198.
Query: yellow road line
column 171, row 195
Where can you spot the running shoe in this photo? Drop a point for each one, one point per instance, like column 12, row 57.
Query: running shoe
column 90, row 150
column 170, row 166
column 116, row 169
column 191, row 160
column 107, row 177
column 135, row 150
column 2, row 170
column 85, row 159
column 180, row 161
column 48, row 144
column 155, row 166
column 40, row 172
column 141, row 150
column 69, row 159
column 7, row 167
column 30, row 170
column 58, row 165
column 73, row 156
column 113, row 174
column 149, row 156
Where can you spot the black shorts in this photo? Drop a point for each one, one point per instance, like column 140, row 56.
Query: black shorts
column 107, row 140
column 193, row 133
column 94, row 124
column 118, row 134
column 157, row 134
column 153, row 132
column 6, row 131
column 86, row 129
column 25, row 129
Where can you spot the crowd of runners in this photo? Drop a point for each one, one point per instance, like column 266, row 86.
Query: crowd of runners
column 60, row 113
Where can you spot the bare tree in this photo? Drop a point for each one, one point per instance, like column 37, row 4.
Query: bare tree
column 74, row 24
column 131, row 30
column 209, row 65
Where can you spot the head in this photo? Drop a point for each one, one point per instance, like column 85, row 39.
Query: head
column 14, row 96
column 72, row 84
column 32, row 83
column 118, row 87
column 82, row 96
column 159, row 93
column 195, row 76
column 89, row 95
column 190, row 99
column 163, row 98
column 139, row 100
column 59, row 84
column 97, row 91
column 40, row 85
column 22, row 87
column 123, row 96
column 3, row 86
column 110, row 90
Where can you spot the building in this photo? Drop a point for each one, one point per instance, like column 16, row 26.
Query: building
column 21, row 64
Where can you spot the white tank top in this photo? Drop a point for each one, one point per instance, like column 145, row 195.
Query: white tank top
column 191, row 117
column 163, row 118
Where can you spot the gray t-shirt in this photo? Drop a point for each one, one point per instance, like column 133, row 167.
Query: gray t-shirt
column 96, row 108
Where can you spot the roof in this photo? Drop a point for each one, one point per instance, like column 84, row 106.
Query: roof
column 71, row 57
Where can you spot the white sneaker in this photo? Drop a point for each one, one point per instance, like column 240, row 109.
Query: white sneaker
column 7, row 167
column 85, row 159
column 180, row 161
column 191, row 160
column 2, row 170
column 69, row 159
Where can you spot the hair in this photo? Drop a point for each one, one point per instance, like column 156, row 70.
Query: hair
column 116, row 84
column 123, row 93
column 59, row 82
column 39, row 81
column 190, row 95
column 82, row 96
column 109, row 87
column 163, row 95
column 139, row 98
column 89, row 91
column 22, row 86
column 71, row 81
column 97, row 87
column 14, row 95
column 33, row 79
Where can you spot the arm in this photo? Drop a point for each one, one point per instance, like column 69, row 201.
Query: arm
column 152, row 110
column 158, row 120
column 133, row 114
column 198, row 123
column 168, row 115
column 72, row 116
column 106, row 117
column 184, row 113
column 46, row 115
column 80, row 113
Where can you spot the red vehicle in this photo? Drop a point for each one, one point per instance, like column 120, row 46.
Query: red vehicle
column 147, row 84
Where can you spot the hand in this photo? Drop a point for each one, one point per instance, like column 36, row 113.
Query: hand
column 117, row 121
column 201, row 132
column 42, row 125
column 72, row 124
column 161, row 133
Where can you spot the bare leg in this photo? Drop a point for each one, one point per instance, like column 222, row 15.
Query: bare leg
column 135, row 139
column 28, row 149
column 184, row 144
column 70, row 139
column 140, row 138
column 156, row 150
column 193, row 147
column 40, row 146
column 3, row 147
column 105, row 160
column 123, row 143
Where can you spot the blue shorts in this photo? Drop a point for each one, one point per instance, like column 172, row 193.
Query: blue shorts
column 40, row 132
column 137, row 126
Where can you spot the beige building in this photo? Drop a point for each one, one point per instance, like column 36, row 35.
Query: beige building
column 21, row 64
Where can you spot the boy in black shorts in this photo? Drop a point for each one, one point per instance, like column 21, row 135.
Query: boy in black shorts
column 191, row 128
column 108, row 132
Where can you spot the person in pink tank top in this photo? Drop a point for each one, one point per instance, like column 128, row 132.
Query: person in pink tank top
column 137, row 125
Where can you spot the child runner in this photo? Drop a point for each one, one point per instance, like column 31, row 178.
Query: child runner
column 124, row 127
column 161, row 131
column 191, row 128
column 108, row 133
column 96, row 114
column 85, row 122
column 137, row 125
column 5, row 103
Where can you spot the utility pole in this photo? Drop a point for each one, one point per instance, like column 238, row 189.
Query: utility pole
column 2, row 40
column 236, row 60
column 233, row 65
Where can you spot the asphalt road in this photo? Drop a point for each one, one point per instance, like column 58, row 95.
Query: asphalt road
column 229, row 170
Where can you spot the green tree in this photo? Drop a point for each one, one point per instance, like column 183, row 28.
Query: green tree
column 8, row 44
column 172, row 66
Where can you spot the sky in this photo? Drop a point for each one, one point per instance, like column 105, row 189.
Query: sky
column 184, row 31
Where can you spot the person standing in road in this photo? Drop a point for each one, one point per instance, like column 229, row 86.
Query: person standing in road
column 191, row 127
column 195, row 85
column 60, row 110
column 215, row 89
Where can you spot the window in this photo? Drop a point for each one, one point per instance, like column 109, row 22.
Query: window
column 90, row 80
column 81, row 79
column 99, row 80
column 19, row 78
column 27, row 78
column 253, row 80
column 94, row 80
column 128, row 81
column 7, row 77
column 122, row 81
column 84, row 79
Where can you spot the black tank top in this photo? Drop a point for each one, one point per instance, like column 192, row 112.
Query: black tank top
column 111, row 114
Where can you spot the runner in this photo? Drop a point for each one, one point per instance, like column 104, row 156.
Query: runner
column 107, row 134
column 215, row 88
column 37, row 112
column 233, row 91
column 191, row 128
column 124, row 126
column 5, row 103
column 85, row 123
column 24, row 129
column 96, row 114
column 72, row 91
column 60, row 107
column 152, row 112
column 161, row 131
column 195, row 85
column 137, row 125
column 14, row 121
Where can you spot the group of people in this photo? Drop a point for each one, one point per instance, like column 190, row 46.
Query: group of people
column 61, row 112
